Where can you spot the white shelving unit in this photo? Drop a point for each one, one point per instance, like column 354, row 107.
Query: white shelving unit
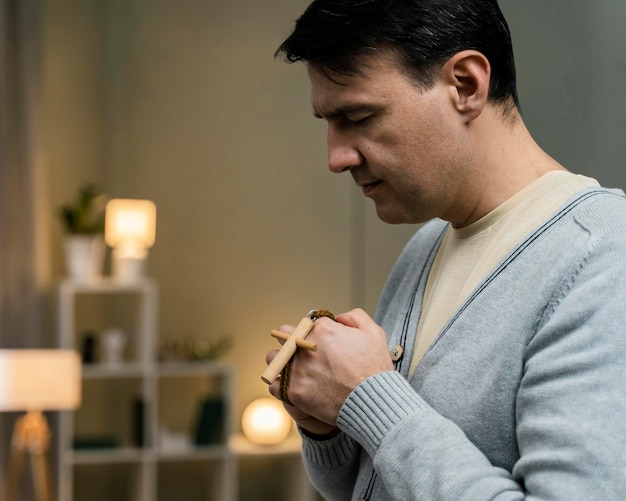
column 294, row 483
column 134, row 432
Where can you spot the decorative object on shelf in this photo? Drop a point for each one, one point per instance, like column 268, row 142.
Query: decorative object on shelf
column 172, row 441
column 84, row 257
column 130, row 229
column 113, row 344
column 89, row 347
column 36, row 380
column 265, row 422
column 138, row 417
column 180, row 348
column 83, row 224
column 209, row 428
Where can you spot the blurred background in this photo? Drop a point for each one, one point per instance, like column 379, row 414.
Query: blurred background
column 182, row 103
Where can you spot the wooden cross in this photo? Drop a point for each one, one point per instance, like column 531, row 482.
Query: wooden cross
column 292, row 343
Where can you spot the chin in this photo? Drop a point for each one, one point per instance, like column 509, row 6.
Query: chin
column 390, row 216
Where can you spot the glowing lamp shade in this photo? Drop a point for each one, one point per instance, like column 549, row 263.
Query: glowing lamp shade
column 130, row 229
column 265, row 422
column 39, row 380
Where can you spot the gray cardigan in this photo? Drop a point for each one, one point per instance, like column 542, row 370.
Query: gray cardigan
column 523, row 393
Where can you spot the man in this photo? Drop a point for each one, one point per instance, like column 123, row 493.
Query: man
column 496, row 367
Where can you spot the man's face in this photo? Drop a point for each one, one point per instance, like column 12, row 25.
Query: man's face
column 402, row 144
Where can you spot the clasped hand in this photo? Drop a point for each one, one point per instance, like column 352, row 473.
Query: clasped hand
column 351, row 349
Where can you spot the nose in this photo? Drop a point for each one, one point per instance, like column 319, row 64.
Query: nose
column 342, row 153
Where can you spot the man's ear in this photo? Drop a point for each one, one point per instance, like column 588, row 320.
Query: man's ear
column 468, row 74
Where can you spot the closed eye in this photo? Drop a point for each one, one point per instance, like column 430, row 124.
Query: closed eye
column 352, row 114
column 358, row 120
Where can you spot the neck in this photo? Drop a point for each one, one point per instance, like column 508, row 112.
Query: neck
column 510, row 160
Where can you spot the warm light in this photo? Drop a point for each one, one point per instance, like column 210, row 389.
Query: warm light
column 130, row 228
column 265, row 422
column 34, row 381
column 39, row 379
column 130, row 223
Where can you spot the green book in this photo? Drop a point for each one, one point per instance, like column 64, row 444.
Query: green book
column 209, row 427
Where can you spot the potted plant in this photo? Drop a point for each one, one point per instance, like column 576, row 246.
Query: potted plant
column 83, row 223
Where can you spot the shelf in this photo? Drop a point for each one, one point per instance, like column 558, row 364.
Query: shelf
column 193, row 368
column 195, row 453
column 241, row 446
column 106, row 456
column 141, row 420
column 161, row 369
column 282, row 461
column 238, row 445
column 104, row 371
column 136, row 426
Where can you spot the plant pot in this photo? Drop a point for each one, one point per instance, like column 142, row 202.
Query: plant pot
column 84, row 257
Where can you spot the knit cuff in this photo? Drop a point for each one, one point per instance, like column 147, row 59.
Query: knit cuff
column 376, row 406
column 330, row 453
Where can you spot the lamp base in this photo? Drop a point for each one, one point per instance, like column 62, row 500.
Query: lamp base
column 128, row 267
column 31, row 435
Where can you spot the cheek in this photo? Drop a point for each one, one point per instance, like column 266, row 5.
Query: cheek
column 425, row 152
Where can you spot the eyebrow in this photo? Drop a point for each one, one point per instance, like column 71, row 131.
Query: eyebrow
column 348, row 109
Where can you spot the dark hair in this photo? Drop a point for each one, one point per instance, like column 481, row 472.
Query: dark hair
column 333, row 34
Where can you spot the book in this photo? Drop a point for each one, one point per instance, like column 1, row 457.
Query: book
column 209, row 426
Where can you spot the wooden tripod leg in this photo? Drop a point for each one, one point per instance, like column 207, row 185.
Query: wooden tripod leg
column 40, row 475
column 31, row 435
column 13, row 475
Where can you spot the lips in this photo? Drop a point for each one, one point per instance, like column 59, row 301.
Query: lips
column 368, row 187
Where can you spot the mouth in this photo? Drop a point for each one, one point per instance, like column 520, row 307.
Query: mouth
column 369, row 188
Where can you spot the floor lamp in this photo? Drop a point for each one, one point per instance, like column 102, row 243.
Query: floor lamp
column 35, row 381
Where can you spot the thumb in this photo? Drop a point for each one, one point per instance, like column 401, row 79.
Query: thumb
column 356, row 318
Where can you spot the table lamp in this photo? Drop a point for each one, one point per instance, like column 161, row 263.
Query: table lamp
column 130, row 229
column 265, row 422
column 36, row 381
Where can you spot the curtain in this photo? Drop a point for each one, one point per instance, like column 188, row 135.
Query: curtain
column 24, row 273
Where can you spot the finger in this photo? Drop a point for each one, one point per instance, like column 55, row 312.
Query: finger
column 274, row 390
column 283, row 333
column 280, row 335
column 356, row 318
column 287, row 329
column 300, row 343
column 270, row 356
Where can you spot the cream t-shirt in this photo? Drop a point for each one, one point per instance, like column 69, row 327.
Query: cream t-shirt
column 468, row 254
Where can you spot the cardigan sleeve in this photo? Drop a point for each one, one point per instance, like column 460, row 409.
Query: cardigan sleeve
column 332, row 465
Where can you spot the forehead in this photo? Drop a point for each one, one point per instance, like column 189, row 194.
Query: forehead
column 380, row 79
